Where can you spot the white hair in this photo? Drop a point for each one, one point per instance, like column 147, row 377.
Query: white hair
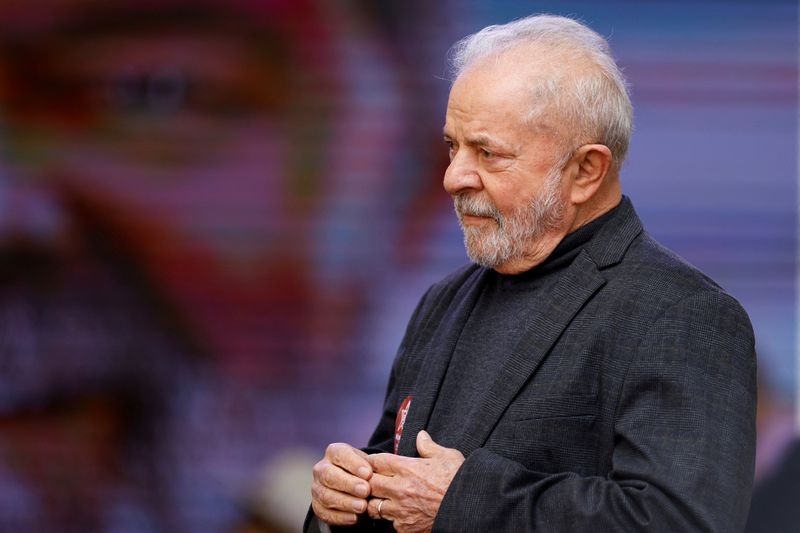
column 593, row 103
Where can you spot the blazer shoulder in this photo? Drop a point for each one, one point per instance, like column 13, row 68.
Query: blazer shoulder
column 648, row 258
column 653, row 272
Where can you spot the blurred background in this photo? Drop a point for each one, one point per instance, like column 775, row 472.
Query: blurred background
column 217, row 215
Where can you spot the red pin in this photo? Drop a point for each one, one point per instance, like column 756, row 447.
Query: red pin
column 400, row 421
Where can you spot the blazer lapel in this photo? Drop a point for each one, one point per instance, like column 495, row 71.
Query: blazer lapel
column 435, row 362
column 559, row 304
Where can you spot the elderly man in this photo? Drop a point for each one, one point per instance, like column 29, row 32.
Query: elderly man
column 578, row 377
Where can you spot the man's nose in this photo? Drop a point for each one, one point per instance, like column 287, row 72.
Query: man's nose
column 462, row 173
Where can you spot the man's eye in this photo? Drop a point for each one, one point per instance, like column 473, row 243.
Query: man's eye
column 451, row 149
column 487, row 154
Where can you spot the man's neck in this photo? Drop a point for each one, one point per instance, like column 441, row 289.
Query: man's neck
column 607, row 197
column 540, row 250
column 592, row 213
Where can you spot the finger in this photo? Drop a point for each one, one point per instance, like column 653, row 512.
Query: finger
column 335, row 500
column 333, row 517
column 426, row 446
column 385, row 509
column 383, row 486
column 336, row 478
column 386, row 463
column 349, row 458
column 361, row 453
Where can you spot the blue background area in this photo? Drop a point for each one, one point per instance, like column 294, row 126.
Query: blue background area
column 205, row 276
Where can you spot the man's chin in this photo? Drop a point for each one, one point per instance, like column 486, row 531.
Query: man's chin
column 483, row 255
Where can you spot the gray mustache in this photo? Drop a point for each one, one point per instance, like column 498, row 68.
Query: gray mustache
column 469, row 205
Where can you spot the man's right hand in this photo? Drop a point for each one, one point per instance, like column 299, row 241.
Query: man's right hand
column 340, row 489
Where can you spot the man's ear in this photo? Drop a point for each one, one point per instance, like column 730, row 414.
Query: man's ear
column 593, row 162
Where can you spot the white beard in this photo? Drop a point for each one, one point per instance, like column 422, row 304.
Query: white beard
column 513, row 236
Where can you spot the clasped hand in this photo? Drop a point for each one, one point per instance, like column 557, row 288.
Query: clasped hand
column 348, row 482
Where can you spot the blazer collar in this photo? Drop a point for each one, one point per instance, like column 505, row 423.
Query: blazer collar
column 439, row 337
column 609, row 245
column 554, row 311
column 559, row 305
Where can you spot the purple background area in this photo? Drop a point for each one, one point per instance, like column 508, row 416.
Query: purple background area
column 215, row 223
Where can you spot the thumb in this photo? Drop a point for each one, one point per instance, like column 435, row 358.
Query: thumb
column 425, row 445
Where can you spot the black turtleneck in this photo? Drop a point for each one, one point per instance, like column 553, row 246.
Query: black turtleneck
column 494, row 327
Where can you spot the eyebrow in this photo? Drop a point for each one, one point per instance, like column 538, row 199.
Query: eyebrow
column 481, row 139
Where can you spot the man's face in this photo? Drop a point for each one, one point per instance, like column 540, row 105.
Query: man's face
column 509, row 236
column 504, row 174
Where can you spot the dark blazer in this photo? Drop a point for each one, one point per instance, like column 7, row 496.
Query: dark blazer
column 628, row 405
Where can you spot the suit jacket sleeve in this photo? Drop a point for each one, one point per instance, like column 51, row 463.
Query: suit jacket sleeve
column 684, row 439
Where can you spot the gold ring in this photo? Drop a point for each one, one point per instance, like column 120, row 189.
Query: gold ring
column 380, row 504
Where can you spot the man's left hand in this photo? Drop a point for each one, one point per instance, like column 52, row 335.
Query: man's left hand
column 412, row 489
